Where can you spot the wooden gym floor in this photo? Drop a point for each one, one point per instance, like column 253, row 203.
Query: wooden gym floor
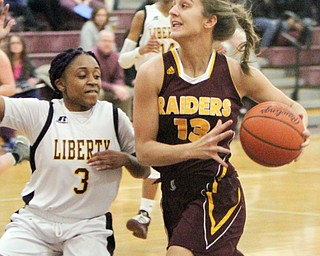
column 283, row 207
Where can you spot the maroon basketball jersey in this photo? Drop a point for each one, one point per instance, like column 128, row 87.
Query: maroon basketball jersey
column 190, row 107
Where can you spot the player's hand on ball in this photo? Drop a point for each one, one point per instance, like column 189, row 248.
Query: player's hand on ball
column 207, row 146
column 306, row 134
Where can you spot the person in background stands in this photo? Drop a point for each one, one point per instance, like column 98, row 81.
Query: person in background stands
column 23, row 70
column 193, row 97
column 267, row 24
column 23, row 15
column 149, row 36
column 114, row 89
column 90, row 30
column 70, row 4
column 52, row 12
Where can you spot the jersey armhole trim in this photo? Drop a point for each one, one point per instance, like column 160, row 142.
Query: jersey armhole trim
column 41, row 135
column 116, row 121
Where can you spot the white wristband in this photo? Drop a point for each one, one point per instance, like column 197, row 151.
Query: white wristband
column 129, row 53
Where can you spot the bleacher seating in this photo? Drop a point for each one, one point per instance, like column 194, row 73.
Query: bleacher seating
column 300, row 67
column 42, row 46
column 288, row 57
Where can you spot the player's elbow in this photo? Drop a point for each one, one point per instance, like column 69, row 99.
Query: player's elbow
column 143, row 173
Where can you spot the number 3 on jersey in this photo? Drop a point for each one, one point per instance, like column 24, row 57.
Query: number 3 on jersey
column 84, row 180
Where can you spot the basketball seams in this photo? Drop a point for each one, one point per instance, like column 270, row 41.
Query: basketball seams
column 273, row 118
column 258, row 159
column 267, row 142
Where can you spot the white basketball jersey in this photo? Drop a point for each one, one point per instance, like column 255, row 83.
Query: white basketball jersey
column 158, row 25
column 62, row 182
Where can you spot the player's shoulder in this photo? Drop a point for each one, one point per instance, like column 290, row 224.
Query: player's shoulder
column 139, row 15
column 153, row 64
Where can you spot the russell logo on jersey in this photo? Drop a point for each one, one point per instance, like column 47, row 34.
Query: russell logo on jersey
column 62, row 119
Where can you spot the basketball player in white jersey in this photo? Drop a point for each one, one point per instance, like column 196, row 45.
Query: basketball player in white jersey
column 78, row 148
column 149, row 36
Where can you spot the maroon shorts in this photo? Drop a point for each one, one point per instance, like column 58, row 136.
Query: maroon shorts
column 210, row 224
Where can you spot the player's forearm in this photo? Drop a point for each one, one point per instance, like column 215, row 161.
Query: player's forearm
column 136, row 169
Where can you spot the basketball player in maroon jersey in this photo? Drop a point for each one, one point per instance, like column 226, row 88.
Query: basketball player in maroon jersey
column 185, row 112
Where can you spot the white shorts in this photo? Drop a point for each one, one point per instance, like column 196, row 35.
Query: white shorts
column 30, row 234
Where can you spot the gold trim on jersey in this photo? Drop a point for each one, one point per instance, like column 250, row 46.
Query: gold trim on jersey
column 193, row 80
column 233, row 82
column 176, row 60
column 212, row 61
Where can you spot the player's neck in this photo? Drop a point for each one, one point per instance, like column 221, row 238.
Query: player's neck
column 194, row 63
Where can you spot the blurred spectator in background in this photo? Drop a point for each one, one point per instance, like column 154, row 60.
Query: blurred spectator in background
column 90, row 30
column 82, row 7
column 112, row 76
column 266, row 23
column 25, row 20
column 302, row 8
column 23, row 70
column 52, row 11
column 298, row 18
column 316, row 9
column 272, row 18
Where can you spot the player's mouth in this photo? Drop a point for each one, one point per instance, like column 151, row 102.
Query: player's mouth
column 92, row 91
column 175, row 24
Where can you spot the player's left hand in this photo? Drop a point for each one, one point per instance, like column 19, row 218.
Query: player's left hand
column 108, row 160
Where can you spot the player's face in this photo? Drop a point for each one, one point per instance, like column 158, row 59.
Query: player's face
column 80, row 83
column 186, row 18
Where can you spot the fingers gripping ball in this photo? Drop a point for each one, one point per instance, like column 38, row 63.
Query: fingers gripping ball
column 271, row 134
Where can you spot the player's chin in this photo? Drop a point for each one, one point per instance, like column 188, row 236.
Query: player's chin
column 91, row 100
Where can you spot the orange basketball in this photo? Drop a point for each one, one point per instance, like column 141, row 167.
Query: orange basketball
column 271, row 134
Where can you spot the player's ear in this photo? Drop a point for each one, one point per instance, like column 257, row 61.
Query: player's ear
column 60, row 85
column 210, row 22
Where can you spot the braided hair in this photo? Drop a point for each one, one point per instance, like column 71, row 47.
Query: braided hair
column 230, row 15
column 60, row 63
